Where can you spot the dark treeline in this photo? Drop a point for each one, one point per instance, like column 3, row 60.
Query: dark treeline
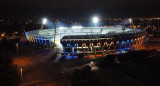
column 8, row 72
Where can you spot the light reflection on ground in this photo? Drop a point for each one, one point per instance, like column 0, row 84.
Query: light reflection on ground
column 22, row 61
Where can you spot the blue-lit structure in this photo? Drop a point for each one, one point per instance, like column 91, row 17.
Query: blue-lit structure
column 89, row 40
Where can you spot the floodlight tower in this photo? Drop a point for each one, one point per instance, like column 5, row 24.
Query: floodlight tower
column 44, row 22
column 131, row 22
column 55, row 24
column 95, row 21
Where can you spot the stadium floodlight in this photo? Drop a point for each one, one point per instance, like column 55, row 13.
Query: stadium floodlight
column 44, row 21
column 76, row 27
column 95, row 20
column 130, row 20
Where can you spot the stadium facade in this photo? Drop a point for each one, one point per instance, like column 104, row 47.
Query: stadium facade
column 89, row 40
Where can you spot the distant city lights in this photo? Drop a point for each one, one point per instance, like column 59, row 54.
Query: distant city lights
column 3, row 34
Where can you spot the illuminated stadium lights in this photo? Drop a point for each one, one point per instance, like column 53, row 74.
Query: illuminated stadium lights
column 44, row 21
column 74, row 27
column 130, row 20
column 95, row 19
column 61, row 28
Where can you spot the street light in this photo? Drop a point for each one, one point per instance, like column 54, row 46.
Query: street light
column 44, row 22
column 95, row 20
column 3, row 34
column 21, row 71
column 17, row 47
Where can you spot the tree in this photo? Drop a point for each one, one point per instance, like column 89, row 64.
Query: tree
column 86, row 69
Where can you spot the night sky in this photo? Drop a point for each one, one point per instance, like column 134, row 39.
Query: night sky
column 78, row 8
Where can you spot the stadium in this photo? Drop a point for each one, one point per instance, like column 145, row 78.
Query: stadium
column 89, row 40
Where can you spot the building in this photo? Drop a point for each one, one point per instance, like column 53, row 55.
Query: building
column 89, row 40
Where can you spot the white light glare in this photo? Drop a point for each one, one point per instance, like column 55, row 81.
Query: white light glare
column 44, row 21
column 95, row 19
column 74, row 27
column 130, row 20
column 61, row 28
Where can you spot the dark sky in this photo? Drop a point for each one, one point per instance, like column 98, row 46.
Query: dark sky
column 78, row 8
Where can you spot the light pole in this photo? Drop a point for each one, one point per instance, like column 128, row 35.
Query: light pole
column 95, row 21
column 21, row 70
column 44, row 22
column 55, row 23
column 17, row 47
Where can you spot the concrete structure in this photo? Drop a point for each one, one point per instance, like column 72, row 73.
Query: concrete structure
column 89, row 39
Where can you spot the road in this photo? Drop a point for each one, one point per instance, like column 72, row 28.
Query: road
column 39, row 64
column 36, row 64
